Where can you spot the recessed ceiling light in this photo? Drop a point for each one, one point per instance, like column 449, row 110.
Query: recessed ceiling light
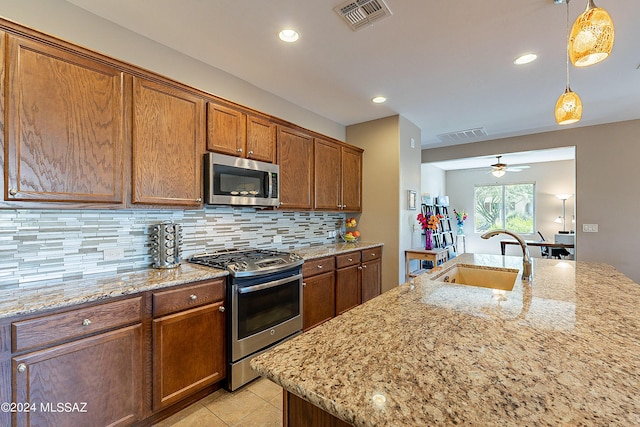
column 289, row 35
column 378, row 99
column 525, row 59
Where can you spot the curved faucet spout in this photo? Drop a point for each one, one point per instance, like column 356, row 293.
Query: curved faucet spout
column 526, row 258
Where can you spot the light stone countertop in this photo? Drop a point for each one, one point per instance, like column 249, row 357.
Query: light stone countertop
column 44, row 295
column 564, row 350
column 312, row 252
column 28, row 298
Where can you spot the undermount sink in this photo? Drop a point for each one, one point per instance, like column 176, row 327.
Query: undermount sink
column 473, row 275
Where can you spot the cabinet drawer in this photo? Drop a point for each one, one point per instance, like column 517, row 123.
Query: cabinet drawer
column 345, row 260
column 191, row 296
column 369, row 254
column 317, row 266
column 59, row 327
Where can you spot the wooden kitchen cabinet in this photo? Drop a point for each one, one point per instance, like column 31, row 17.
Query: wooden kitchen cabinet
column 337, row 176
column 233, row 131
column 295, row 158
column 348, row 281
column 65, row 124
column 97, row 378
column 188, row 344
column 168, row 144
column 318, row 292
column 371, row 273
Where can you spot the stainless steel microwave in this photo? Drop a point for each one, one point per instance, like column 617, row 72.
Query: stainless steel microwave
column 236, row 181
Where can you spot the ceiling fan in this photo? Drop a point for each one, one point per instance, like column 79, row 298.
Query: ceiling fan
column 499, row 169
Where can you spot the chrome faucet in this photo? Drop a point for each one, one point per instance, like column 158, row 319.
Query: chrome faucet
column 526, row 258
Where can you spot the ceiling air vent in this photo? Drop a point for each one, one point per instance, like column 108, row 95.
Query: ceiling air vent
column 462, row 135
column 361, row 13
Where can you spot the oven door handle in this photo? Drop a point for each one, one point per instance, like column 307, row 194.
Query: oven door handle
column 268, row 285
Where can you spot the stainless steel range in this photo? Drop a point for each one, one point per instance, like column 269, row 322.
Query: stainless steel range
column 264, row 297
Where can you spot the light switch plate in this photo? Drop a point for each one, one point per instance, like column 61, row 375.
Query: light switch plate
column 589, row 228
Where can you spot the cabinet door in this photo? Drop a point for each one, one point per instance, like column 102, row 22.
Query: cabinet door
column 327, row 179
column 97, row 378
column 65, row 120
column 295, row 157
column 351, row 180
column 348, row 288
column 318, row 300
column 188, row 353
column 371, row 279
column 261, row 139
column 226, row 129
column 168, row 145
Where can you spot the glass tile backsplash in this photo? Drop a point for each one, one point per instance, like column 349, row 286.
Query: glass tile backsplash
column 63, row 244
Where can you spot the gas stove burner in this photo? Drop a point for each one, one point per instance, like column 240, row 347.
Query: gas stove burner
column 248, row 262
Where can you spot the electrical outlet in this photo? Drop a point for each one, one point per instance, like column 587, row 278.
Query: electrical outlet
column 589, row 228
column 113, row 254
column 277, row 239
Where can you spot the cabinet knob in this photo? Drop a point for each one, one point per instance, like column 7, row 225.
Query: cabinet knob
column 360, row 268
column 364, row 266
column 193, row 297
column 22, row 367
column 319, row 266
column 239, row 150
column 13, row 191
column 249, row 153
column 350, row 259
column 221, row 309
column 86, row 322
column 304, row 284
column 198, row 200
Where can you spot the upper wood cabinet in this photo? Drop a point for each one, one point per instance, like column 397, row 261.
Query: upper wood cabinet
column 65, row 126
column 337, row 177
column 234, row 132
column 295, row 158
column 168, row 145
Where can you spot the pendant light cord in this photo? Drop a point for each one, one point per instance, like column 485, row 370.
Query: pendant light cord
column 567, row 45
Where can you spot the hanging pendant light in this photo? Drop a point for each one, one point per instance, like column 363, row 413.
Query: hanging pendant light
column 591, row 38
column 569, row 105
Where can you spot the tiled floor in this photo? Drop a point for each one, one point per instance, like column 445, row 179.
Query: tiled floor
column 258, row 404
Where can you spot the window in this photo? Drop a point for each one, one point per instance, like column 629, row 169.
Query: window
column 508, row 206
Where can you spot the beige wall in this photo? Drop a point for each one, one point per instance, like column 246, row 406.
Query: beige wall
column 68, row 22
column 391, row 167
column 607, row 185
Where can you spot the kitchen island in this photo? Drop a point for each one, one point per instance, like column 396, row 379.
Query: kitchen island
column 563, row 349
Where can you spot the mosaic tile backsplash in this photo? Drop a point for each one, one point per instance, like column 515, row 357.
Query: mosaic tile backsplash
column 65, row 244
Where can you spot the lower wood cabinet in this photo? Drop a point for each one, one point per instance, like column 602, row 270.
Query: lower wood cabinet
column 127, row 361
column 318, row 295
column 188, row 353
column 95, row 380
column 336, row 284
column 299, row 412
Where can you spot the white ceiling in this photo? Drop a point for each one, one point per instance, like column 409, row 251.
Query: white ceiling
column 445, row 66
column 510, row 159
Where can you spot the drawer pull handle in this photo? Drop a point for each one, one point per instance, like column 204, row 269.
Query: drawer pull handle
column 221, row 309
column 22, row 367
column 198, row 199
column 319, row 266
column 350, row 259
column 193, row 297
column 86, row 322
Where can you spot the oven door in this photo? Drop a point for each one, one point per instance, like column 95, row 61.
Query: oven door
column 265, row 311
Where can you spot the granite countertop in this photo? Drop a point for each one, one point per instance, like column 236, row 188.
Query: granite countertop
column 312, row 252
column 564, row 350
column 27, row 298
column 43, row 295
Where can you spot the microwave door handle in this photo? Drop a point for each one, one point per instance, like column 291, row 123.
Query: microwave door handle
column 268, row 285
column 269, row 185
